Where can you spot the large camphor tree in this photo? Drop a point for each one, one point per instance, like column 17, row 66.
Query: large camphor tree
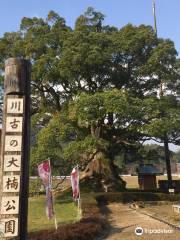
column 94, row 91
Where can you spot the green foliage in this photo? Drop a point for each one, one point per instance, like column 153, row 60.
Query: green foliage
column 90, row 109
column 76, row 150
column 50, row 141
column 150, row 153
column 35, row 187
column 166, row 119
column 94, row 87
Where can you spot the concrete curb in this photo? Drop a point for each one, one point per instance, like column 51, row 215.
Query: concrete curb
column 157, row 218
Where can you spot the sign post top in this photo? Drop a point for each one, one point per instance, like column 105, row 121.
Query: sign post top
column 16, row 71
column 15, row 61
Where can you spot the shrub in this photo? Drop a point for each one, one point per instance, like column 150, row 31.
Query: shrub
column 35, row 187
column 85, row 229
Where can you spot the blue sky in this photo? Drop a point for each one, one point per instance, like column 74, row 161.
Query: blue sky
column 118, row 13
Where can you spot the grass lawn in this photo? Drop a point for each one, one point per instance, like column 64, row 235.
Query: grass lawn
column 65, row 209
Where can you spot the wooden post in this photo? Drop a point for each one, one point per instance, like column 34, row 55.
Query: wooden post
column 0, row 142
column 15, row 150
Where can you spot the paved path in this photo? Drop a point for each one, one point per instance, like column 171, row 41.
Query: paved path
column 124, row 220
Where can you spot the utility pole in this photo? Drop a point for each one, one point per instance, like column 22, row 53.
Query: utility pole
column 154, row 14
column 155, row 31
column 165, row 139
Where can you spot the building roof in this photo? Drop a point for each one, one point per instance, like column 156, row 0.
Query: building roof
column 148, row 169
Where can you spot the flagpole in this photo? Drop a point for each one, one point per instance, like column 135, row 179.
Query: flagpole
column 55, row 219
column 79, row 197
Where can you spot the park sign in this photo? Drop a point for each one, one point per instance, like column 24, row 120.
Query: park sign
column 15, row 150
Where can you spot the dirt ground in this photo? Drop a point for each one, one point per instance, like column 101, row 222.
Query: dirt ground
column 124, row 221
column 132, row 181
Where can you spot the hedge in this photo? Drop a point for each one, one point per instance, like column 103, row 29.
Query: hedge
column 126, row 197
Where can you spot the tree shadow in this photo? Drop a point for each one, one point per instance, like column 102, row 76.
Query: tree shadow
column 111, row 230
column 114, row 230
column 104, row 209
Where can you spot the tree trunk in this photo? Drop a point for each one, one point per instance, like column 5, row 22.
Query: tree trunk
column 110, row 119
column 116, row 181
column 101, row 175
column 168, row 161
